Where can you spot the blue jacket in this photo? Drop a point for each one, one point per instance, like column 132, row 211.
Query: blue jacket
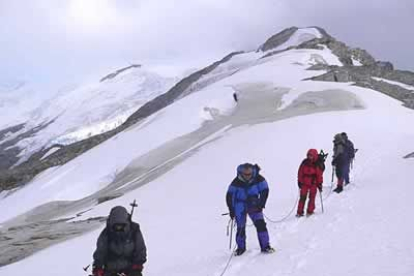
column 248, row 196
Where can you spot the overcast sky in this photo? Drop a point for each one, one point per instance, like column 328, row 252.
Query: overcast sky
column 61, row 41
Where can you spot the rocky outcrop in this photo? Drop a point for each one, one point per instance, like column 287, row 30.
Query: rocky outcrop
column 363, row 76
column 116, row 73
column 411, row 155
column 346, row 54
column 278, row 39
column 9, row 151
column 10, row 130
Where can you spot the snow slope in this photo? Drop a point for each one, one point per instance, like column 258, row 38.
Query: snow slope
column 17, row 100
column 364, row 231
column 74, row 180
column 93, row 109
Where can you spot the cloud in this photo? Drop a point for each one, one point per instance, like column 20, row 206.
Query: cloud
column 61, row 40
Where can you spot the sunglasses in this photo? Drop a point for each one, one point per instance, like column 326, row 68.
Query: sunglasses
column 246, row 175
column 119, row 227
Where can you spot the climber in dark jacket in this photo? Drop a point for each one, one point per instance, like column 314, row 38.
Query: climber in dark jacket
column 339, row 161
column 349, row 156
column 120, row 247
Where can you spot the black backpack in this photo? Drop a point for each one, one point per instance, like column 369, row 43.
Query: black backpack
column 349, row 149
column 320, row 162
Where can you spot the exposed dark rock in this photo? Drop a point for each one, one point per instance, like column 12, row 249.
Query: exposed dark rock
column 12, row 129
column 8, row 149
column 278, row 39
column 411, row 155
column 363, row 76
column 340, row 49
column 116, row 73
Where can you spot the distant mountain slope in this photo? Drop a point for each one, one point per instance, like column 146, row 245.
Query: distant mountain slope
column 74, row 130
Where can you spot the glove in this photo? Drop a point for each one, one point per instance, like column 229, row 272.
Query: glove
column 320, row 187
column 97, row 271
column 136, row 270
column 231, row 213
column 300, row 185
column 333, row 162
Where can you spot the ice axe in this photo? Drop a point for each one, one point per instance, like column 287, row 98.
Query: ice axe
column 133, row 205
column 86, row 268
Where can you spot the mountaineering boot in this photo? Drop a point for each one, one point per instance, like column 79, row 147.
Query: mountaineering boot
column 268, row 249
column 339, row 187
column 299, row 215
column 239, row 251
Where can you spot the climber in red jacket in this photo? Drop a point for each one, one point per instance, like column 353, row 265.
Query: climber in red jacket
column 310, row 178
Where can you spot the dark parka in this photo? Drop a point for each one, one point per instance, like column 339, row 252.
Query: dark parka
column 118, row 251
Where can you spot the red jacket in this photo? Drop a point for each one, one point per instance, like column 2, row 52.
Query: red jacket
column 309, row 173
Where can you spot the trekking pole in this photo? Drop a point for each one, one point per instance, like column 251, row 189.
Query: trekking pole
column 230, row 226
column 352, row 162
column 321, row 201
column 231, row 232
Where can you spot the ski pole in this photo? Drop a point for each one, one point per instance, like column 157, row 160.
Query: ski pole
column 333, row 173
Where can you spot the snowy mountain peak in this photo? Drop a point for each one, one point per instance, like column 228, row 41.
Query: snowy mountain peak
column 291, row 37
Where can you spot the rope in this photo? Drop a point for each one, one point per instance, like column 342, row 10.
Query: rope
column 228, row 262
column 285, row 217
column 330, row 191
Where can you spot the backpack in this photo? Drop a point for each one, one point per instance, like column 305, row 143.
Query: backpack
column 349, row 149
column 320, row 162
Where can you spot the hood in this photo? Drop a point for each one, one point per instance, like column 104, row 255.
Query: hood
column 255, row 171
column 313, row 153
column 118, row 214
column 338, row 138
